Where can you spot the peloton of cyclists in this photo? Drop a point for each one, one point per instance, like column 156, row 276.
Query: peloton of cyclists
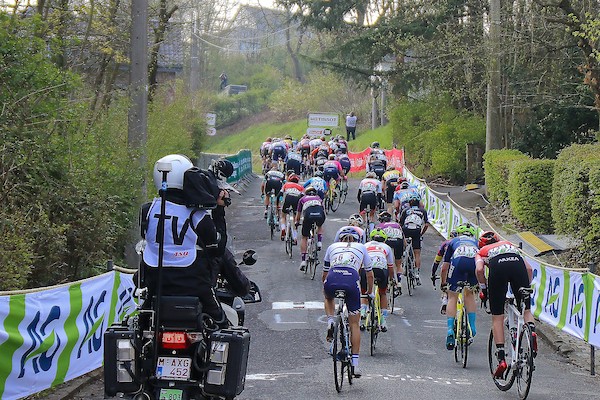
column 310, row 207
column 505, row 265
column 341, row 264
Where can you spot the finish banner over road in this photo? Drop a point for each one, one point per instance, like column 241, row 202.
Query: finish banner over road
column 359, row 161
column 55, row 335
column 567, row 300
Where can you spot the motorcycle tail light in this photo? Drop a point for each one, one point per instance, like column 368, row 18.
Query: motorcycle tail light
column 174, row 340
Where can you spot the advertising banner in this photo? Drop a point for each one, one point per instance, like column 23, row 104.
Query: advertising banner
column 54, row 335
column 322, row 120
column 242, row 165
column 360, row 160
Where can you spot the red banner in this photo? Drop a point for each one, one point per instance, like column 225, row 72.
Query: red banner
column 359, row 161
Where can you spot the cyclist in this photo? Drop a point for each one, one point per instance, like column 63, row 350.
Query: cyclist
column 395, row 239
column 342, row 145
column 323, row 151
column 311, row 207
column 505, row 264
column 291, row 192
column 317, row 182
column 414, row 222
column 304, row 146
column 436, row 262
column 401, row 196
column 293, row 162
column 273, row 181
column 278, row 151
column 390, row 182
column 332, row 169
column 459, row 265
column 369, row 193
column 341, row 264
column 345, row 162
column 382, row 261
column 265, row 153
column 289, row 141
column 354, row 222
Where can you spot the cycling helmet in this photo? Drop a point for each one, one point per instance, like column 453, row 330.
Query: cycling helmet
column 391, row 168
column 466, row 229
column 319, row 173
column 375, row 145
column 371, row 175
column 224, row 167
column 347, row 233
column 355, row 220
column 404, row 185
column 378, row 235
column 310, row 191
column 488, row 237
column 332, row 156
column 249, row 257
column 269, row 139
column 293, row 178
column 384, row 216
column 179, row 164
column 288, row 137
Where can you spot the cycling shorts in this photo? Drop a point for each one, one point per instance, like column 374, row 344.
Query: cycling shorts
column 290, row 201
column 368, row 198
column 295, row 165
column 389, row 191
column 346, row 279
column 273, row 184
column 279, row 153
column 397, row 245
column 312, row 214
column 346, row 165
column 381, row 278
column 505, row 269
column 415, row 235
column 461, row 269
column 330, row 173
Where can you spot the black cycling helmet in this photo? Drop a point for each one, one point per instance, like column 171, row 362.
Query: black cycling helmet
column 375, row 145
column 384, row 216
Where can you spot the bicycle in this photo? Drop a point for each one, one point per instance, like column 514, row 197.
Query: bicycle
column 272, row 219
column 392, row 292
column 332, row 197
column 343, row 190
column 518, row 338
column 462, row 329
column 312, row 253
column 289, row 231
column 409, row 266
column 373, row 322
column 368, row 221
column 341, row 347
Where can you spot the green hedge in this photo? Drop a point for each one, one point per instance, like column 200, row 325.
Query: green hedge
column 497, row 165
column 575, row 197
column 530, row 193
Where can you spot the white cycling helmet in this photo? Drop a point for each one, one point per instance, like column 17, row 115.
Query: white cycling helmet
column 371, row 175
column 349, row 233
column 179, row 164
column 355, row 220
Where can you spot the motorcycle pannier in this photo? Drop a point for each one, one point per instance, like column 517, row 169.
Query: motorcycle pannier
column 228, row 357
column 120, row 366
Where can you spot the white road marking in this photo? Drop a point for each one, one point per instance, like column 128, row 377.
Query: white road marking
column 298, row 305
column 278, row 320
column 406, row 322
column 270, row 377
column 418, row 378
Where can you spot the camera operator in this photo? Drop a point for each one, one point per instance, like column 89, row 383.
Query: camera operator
column 222, row 169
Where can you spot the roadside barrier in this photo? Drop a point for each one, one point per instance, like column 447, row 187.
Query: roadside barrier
column 566, row 298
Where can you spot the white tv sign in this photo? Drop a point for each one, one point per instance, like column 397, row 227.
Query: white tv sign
column 211, row 119
column 318, row 132
column 323, row 120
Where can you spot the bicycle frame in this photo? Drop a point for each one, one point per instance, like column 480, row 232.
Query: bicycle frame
column 373, row 321
column 462, row 333
column 343, row 356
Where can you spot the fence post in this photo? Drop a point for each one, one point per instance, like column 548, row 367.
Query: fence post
column 109, row 265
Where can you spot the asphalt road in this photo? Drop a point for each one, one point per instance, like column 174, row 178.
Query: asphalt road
column 288, row 354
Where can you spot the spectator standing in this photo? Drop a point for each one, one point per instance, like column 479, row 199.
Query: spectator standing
column 351, row 126
column 223, row 78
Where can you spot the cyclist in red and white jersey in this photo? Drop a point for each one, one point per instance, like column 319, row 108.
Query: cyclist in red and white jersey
column 341, row 264
column 505, row 265
column 291, row 192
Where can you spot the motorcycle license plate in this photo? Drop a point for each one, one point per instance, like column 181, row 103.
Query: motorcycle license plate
column 175, row 368
column 170, row 394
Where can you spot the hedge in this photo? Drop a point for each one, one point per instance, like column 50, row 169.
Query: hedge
column 575, row 197
column 530, row 193
column 496, row 165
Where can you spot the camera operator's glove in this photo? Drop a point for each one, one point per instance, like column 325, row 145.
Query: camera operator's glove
column 444, row 287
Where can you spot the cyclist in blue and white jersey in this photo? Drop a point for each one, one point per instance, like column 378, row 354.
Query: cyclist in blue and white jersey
column 273, row 181
column 293, row 162
column 320, row 184
column 341, row 264
column 459, row 265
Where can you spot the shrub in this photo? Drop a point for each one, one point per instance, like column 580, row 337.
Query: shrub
column 530, row 193
column 575, row 203
column 497, row 165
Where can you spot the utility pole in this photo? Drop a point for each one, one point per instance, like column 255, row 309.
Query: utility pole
column 138, row 111
column 194, row 56
column 493, row 136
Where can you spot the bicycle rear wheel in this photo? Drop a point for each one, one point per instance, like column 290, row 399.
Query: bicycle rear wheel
column 525, row 365
column 343, row 191
column 272, row 222
column 337, row 354
column 505, row 383
column 390, row 295
column 373, row 327
column 407, row 274
column 289, row 244
column 335, row 202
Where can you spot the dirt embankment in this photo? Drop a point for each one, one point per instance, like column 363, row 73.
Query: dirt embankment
column 259, row 118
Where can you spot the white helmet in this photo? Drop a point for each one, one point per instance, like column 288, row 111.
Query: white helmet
column 179, row 164
column 355, row 220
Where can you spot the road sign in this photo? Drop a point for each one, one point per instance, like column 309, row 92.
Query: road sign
column 210, row 131
column 323, row 119
column 211, row 119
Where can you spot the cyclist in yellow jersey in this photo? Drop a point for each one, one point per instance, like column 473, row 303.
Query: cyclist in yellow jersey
column 390, row 182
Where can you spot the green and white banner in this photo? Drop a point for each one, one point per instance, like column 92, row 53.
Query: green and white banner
column 568, row 300
column 242, row 165
column 52, row 336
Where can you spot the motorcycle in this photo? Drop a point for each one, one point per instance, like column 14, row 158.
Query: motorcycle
column 183, row 356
